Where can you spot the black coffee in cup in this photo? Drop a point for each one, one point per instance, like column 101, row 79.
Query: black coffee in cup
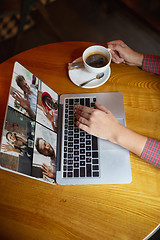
column 96, row 59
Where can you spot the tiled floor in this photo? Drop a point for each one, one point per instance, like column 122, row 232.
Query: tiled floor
column 86, row 20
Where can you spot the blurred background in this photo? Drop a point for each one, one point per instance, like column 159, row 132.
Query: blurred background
column 25, row 24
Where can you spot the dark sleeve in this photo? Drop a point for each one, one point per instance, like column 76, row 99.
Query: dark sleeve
column 151, row 63
column 151, row 152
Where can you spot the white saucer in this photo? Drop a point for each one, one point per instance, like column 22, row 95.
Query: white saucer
column 78, row 76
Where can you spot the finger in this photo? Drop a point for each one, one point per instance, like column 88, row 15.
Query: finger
column 83, row 108
column 17, row 94
column 16, row 97
column 43, row 168
column 82, row 120
column 44, row 173
column 102, row 108
column 115, row 55
column 85, row 115
column 27, row 96
column 17, row 102
column 83, row 127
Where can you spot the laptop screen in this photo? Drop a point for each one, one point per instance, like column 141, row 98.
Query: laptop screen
column 29, row 138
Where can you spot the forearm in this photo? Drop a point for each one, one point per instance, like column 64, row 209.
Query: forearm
column 130, row 140
column 31, row 113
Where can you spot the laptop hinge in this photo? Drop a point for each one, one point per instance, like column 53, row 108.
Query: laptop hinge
column 59, row 136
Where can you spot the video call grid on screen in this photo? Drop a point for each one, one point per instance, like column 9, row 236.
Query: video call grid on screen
column 29, row 135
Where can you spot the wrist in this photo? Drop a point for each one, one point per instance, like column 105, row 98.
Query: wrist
column 117, row 133
column 139, row 59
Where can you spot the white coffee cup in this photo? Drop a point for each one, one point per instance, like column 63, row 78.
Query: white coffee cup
column 96, row 49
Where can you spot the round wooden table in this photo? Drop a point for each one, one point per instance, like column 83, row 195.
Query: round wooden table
column 32, row 209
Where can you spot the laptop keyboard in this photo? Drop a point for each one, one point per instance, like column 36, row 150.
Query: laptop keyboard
column 80, row 148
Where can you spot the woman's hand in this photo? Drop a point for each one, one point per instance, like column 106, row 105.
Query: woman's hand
column 99, row 122
column 48, row 171
column 121, row 53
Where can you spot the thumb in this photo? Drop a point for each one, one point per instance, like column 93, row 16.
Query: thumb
column 51, row 163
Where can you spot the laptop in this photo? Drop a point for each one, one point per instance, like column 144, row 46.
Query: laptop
column 46, row 136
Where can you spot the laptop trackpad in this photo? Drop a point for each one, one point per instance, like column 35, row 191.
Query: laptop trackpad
column 104, row 145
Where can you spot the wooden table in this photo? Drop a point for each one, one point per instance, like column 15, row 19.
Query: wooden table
column 32, row 209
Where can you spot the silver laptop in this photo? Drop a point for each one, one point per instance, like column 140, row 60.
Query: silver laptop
column 90, row 160
column 47, row 133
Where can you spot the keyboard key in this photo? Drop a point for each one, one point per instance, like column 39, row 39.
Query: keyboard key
column 71, row 113
column 82, row 157
column 88, row 167
column 76, row 146
column 88, row 160
column 82, row 150
column 70, row 174
column 76, row 135
column 76, row 141
column 70, row 144
column 76, row 158
column 76, row 101
column 81, row 101
column 82, row 145
column 65, row 161
column 70, row 168
column 95, row 167
column 88, row 154
column 82, row 139
column 70, row 149
column 88, row 142
column 71, row 101
column 71, row 107
column 82, row 134
column 94, row 161
column 70, row 162
column 64, row 174
column 70, row 123
column 76, row 152
column 82, row 171
column 76, row 130
column 70, row 139
column 94, row 143
column 65, row 149
column 82, row 163
column 87, row 102
column 76, row 172
column 88, row 136
column 88, row 148
column 95, row 174
column 94, row 154
column 70, row 133
column 70, row 118
column 70, row 155
column 76, row 165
